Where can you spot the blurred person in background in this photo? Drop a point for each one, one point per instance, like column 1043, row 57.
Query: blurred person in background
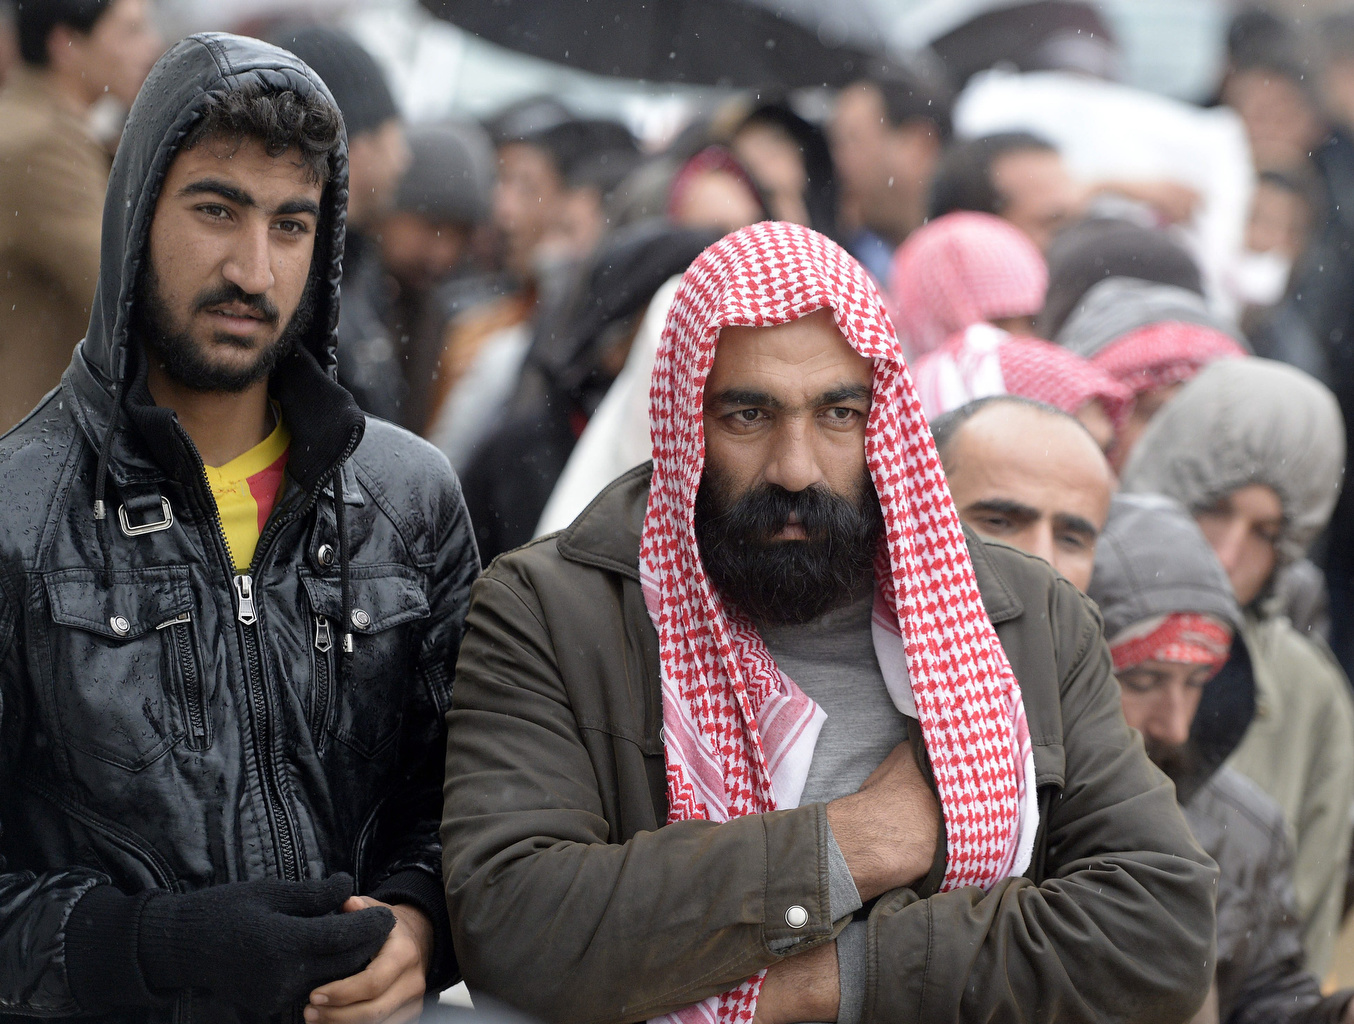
column 1335, row 33
column 1273, row 76
column 962, row 269
column 369, row 360
column 427, row 251
column 549, row 211
column 984, row 360
column 53, row 174
column 1254, row 449
column 713, row 191
column 887, row 134
column 574, row 357
column 789, row 159
column 1013, row 175
column 1151, row 338
column 1023, row 178
column 1099, row 247
column 1028, row 475
column 1170, row 619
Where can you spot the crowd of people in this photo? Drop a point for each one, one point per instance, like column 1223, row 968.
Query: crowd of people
column 646, row 766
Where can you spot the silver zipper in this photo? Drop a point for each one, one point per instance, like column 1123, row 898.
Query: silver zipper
column 244, row 591
column 175, row 621
column 324, row 639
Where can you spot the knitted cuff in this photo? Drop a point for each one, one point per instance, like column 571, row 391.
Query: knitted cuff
column 424, row 891
column 101, row 951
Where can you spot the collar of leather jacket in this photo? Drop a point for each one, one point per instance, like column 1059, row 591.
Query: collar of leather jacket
column 325, row 422
column 607, row 533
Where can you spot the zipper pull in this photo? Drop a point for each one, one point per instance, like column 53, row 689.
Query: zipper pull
column 178, row 620
column 324, row 640
column 244, row 591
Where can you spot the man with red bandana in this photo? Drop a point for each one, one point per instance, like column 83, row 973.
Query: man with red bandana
column 1170, row 616
column 765, row 735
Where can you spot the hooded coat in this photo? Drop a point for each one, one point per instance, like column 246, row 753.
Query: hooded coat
column 164, row 721
column 1152, row 560
column 1252, row 421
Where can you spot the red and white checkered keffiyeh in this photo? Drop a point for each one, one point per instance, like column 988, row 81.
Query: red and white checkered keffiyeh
column 739, row 733
column 962, row 269
column 1162, row 354
column 1186, row 638
column 984, row 360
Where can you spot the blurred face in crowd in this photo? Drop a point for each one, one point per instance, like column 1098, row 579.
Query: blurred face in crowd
column 230, row 251
column 774, row 160
column 787, row 518
column 419, row 252
column 1244, row 529
column 885, row 170
column 1038, row 194
column 377, row 160
column 1281, row 120
column 1160, row 700
column 113, row 58
column 526, row 201
column 716, row 200
column 1033, row 480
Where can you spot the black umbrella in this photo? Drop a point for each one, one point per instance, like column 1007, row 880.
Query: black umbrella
column 735, row 43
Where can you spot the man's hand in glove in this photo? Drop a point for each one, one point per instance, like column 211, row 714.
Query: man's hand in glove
column 262, row 945
column 391, row 988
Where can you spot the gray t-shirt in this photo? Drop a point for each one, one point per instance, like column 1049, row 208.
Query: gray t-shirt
column 832, row 660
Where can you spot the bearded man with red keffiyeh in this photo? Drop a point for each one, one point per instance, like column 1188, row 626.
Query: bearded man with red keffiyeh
column 766, row 736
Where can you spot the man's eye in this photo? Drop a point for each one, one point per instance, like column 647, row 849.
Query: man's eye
column 214, row 211
column 842, row 414
column 747, row 415
column 293, row 227
column 994, row 522
column 1072, row 541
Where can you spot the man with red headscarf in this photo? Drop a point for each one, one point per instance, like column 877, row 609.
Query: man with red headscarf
column 764, row 735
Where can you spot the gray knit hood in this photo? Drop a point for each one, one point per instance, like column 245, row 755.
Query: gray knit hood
column 1120, row 305
column 1152, row 560
column 1247, row 421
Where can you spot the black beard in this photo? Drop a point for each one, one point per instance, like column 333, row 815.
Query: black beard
column 787, row 582
column 185, row 362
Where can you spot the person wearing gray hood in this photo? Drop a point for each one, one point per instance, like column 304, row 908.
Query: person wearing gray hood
column 1170, row 618
column 1149, row 337
column 1254, row 449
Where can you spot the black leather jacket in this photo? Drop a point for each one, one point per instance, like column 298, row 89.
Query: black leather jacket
column 165, row 721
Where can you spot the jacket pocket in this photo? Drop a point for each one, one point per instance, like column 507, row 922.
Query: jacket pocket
column 126, row 678
column 358, row 696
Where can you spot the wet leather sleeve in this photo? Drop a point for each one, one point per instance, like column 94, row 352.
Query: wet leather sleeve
column 34, row 909
column 407, row 850
column 549, row 911
column 1119, row 927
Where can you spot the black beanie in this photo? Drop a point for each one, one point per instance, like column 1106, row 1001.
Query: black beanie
column 352, row 74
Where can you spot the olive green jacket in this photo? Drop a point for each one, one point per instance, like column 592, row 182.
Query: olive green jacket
column 568, row 900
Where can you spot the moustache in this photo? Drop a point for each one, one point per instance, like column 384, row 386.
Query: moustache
column 227, row 293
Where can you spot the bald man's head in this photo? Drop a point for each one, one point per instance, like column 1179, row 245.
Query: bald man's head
column 1030, row 476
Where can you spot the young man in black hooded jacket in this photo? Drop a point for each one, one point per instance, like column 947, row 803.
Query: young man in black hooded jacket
column 230, row 605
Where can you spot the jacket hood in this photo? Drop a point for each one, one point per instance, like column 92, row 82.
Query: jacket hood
column 172, row 100
column 1151, row 560
column 1120, row 305
column 1247, row 421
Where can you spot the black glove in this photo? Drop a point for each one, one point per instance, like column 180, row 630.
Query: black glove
column 262, row 945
